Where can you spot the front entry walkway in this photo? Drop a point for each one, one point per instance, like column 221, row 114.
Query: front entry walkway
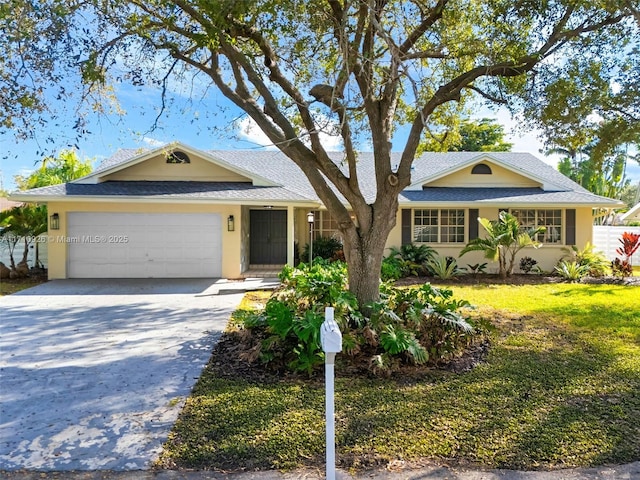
column 95, row 372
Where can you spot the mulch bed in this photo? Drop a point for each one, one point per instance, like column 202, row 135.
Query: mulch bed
column 229, row 357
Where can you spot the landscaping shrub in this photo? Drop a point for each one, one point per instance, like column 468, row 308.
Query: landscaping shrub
column 392, row 268
column 630, row 243
column 571, row 270
column 595, row 263
column 527, row 264
column 503, row 241
column 477, row 268
column 329, row 248
column 621, row 268
column 409, row 259
column 443, row 268
column 408, row 326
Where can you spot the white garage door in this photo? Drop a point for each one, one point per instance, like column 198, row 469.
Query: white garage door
column 144, row 245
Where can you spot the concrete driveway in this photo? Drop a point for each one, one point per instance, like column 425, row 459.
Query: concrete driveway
column 95, row 372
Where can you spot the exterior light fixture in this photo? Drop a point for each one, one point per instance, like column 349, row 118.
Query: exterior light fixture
column 231, row 224
column 54, row 221
column 310, row 220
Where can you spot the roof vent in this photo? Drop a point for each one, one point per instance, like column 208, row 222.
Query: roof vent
column 481, row 169
column 178, row 157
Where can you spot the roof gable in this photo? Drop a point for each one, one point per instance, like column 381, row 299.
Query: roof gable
column 269, row 177
column 511, row 170
column 160, row 165
column 633, row 214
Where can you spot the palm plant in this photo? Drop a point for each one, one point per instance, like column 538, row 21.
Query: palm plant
column 505, row 238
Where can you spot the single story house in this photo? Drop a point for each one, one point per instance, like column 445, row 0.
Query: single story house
column 177, row 211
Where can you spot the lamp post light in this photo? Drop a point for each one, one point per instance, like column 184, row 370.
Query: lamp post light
column 310, row 219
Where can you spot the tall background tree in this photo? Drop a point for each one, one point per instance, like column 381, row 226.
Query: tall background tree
column 23, row 224
column 484, row 135
column 362, row 69
column 592, row 117
column 63, row 168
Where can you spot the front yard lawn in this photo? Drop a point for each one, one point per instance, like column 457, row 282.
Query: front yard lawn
column 10, row 286
column 560, row 388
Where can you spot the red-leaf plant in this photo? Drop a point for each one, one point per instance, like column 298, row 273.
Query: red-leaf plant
column 630, row 243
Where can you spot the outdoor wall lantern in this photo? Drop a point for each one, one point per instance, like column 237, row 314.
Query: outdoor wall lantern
column 231, row 224
column 54, row 221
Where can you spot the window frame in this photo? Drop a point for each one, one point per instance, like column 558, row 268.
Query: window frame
column 453, row 225
column 540, row 217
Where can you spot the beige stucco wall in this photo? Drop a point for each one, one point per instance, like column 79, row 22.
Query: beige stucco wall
column 158, row 169
column 500, row 177
column 547, row 256
column 231, row 241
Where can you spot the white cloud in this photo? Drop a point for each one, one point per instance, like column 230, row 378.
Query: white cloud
column 249, row 131
column 152, row 142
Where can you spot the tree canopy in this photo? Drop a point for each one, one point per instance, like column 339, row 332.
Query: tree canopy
column 64, row 168
column 485, row 135
column 359, row 69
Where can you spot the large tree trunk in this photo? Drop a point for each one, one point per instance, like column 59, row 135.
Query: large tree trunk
column 364, row 260
column 364, row 250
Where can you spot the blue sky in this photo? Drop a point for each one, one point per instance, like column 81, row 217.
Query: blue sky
column 212, row 123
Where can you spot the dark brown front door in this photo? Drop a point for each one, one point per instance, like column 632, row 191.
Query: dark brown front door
column 268, row 237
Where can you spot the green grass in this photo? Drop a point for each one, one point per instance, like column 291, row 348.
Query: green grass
column 561, row 388
column 10, row 286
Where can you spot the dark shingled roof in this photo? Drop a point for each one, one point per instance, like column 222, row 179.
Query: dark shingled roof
column 496, row 195
column 162, row 189
column 274, row 166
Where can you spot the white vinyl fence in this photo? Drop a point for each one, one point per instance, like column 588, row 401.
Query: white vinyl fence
column 17, row 254
column 607, row 238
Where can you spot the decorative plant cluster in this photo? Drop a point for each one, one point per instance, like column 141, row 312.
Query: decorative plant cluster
column 328, row 248
column 411, row 326
column 527, row 264
column 504, row 239
column 577, row 264
column 630, row 243
column 409, row 259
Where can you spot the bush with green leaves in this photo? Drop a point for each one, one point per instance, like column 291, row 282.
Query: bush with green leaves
column 329, row 248
column 595, row 262
column 409, row 259
column 571, row 270
column 408, row 325
column 477, row 268
column 291, row 320
column 392, row 269
column 443, row 268
column 417, row 325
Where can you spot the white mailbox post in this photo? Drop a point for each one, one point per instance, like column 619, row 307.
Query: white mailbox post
column 331, row 340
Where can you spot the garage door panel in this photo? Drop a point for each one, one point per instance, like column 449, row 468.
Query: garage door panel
column 137, row 245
